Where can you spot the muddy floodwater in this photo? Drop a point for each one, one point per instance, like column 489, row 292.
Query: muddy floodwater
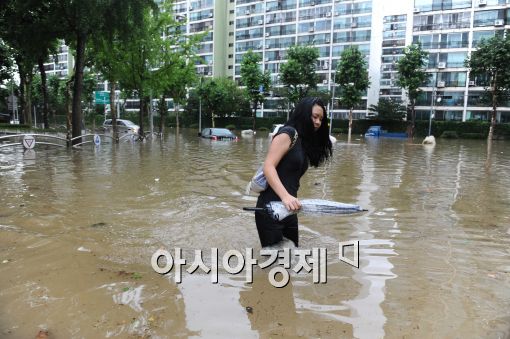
column 78, row 229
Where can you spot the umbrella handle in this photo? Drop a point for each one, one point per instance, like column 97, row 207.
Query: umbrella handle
column 261, row 209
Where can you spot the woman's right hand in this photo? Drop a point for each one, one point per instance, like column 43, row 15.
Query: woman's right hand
column 291, row 203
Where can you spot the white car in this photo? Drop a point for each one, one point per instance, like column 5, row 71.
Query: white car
column 123, row 126
column 277, row 127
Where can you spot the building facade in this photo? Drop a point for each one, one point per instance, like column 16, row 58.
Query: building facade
column 450, row 31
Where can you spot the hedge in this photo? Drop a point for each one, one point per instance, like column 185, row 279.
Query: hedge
column 468, row 129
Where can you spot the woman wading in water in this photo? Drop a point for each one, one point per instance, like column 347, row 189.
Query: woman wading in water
column 302, row 141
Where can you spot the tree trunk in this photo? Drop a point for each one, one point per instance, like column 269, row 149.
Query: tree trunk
column 350, row 126
column 413, row 119
column 44, row 91
column 212, row 119
column 140, row 113
column 494, row 109
column 113, row 110
column 162, row 114
column 69, row 108
column 22, row 97
column 176, row 116
column 27, row 92
column 78, row 86
column 254, row 115
column 22, row 76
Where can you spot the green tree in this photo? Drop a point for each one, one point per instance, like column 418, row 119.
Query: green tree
column 221, row 98
column 411, row 76
column 298, row 74
column 31, row 36
column 79, row 20
column 352, row 78
column 141, row 56
column 56, row 96
column 490, row 61
column 6, row 62
column 106, row 53
column 256, row 81
column 389, row 109
column 176, row 72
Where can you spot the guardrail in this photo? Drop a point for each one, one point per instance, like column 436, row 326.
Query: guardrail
column 94, row 136
column 28, row 140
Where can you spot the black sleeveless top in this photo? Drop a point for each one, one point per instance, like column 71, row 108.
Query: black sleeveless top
column 290, row 169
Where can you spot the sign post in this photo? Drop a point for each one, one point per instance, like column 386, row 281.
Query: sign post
column 28, row 142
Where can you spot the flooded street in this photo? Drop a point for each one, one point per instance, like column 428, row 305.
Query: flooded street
column 78, row 229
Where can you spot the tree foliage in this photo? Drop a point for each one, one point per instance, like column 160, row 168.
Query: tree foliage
column 176, row 71
column 490, row 61
column 389, row 109
column 352, row 78
column 31, row 35
column 6, row 62
column 140, row 56
column 298, row 74
column 256, row 81
column 79, row 20
column 221, row 97
column 412, row 75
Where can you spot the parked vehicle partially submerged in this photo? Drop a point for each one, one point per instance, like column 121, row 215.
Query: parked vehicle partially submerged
column 123, row 126
column 377, row 131
column 218, row 134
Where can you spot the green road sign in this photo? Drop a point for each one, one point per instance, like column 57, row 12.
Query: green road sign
column 102, row 97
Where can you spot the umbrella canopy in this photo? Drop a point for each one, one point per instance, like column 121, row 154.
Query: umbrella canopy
column 278, row 211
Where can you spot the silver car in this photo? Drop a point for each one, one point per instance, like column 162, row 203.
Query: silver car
column 123, row 126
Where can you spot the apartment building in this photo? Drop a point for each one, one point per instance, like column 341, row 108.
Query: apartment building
column 59, row 64
column 270, row 27
column 450, row 30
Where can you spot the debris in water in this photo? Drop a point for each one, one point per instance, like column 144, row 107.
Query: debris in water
column 83, row 249
column 42, row 335
column 249, row 309
column 99, row 224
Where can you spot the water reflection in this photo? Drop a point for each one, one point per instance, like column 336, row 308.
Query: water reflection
column 434, row 244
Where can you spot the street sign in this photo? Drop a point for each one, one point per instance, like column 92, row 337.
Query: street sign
column 28, row 142
column 12, row 102
column 102, row 97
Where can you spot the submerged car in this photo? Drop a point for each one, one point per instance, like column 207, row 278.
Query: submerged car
column 218, row 134
column 123, row 126
column 377, row 131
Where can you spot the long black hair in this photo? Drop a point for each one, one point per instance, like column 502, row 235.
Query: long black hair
column 316, row 144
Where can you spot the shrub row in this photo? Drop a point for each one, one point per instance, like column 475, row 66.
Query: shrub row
column 450, row 129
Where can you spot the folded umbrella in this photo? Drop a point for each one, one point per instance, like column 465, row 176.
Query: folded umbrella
column 278, row 211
